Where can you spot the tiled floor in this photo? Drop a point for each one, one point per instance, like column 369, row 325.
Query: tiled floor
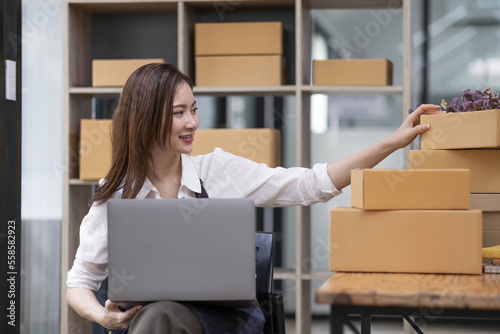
column 395, row 326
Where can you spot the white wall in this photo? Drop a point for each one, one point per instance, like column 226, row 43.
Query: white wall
column 41, row 179
column 42, row 110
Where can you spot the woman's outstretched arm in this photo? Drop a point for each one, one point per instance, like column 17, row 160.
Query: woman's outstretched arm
column 340, row 171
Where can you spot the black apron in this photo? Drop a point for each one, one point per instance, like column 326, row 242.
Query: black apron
column 223, row 320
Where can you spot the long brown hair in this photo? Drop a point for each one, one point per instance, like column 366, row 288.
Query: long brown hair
column 142, row 118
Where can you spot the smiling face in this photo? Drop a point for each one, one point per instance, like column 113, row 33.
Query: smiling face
column 184, row 121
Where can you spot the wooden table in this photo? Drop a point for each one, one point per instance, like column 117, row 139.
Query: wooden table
column 421, row 295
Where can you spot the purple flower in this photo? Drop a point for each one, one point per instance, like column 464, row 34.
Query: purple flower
column 494, row 104
column 491, row 99
column 467, row 95
column 474, row 100
column 477, row 105
column 412, row 110
column 477, row 95
column 453, row 106
column 467, row 106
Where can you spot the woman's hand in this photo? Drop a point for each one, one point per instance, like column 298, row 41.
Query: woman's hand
column 113, row 318
column 85, row 303
column 411, row 126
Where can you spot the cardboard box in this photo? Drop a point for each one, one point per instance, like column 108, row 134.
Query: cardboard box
column 485, row 202
column 491, row 228
column 406, row 189
column 247, row 38
column 259, row 145
column 406, row 241
column 474, row 129
column 491, row 221
column 239, row 71
column 484, row 165
column 115, row 72
column 491, row 238
column 352, row 72
column 490, row 205
column 95, row 148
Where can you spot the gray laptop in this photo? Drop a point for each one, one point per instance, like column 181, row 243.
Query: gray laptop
column 182, row 249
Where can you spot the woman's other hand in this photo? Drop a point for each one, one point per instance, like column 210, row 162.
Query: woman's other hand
column 411, row 126
column 113, row 318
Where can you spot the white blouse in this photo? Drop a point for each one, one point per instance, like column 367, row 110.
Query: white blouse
column 223, row 175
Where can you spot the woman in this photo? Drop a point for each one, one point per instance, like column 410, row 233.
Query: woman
column 154, row 128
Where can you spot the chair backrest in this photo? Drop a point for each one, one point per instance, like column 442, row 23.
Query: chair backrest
column 265, row 245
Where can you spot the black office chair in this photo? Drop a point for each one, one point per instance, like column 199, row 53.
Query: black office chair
column 270, row 301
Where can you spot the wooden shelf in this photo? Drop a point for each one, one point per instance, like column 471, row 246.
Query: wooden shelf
column 255, row 90
column 317, row 275
column 96, row 91
column 124, row 6
column 241, row 3
column 147, row 5
column 354, row 90
column 78, row 182
column 352, row 4
column 212, row 91
column 284, row 273
column 290, row 273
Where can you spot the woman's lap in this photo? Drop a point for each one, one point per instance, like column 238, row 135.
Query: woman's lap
column 195, row 318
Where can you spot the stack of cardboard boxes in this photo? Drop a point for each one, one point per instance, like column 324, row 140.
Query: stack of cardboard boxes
column 239, row 54
column 468, row 140
column 407, row 221
column 228, row 54
column 95, row 135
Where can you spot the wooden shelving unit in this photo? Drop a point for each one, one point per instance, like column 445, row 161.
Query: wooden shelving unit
column 78, row 96
column 346, row 90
